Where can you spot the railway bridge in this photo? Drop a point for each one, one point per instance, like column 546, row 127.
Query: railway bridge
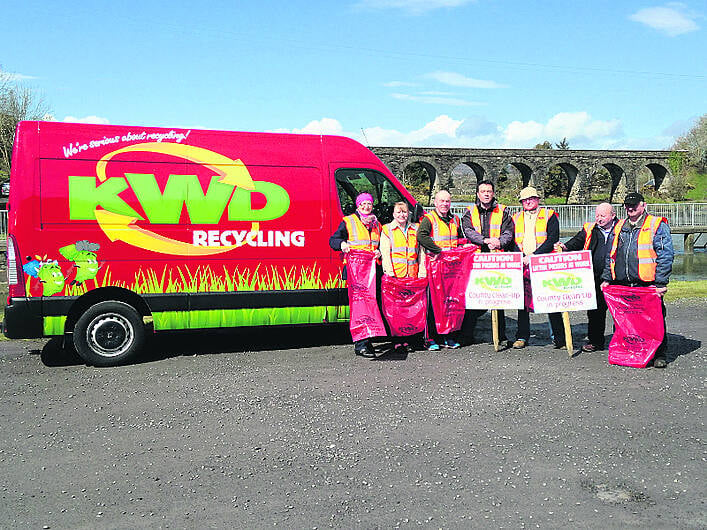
column 579, row 167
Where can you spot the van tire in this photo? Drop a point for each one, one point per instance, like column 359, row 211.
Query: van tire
column 109, row 333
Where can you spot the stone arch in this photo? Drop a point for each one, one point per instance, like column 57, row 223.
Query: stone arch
column 433, row 176
column 570, row 172
column 618, row 184
column 465, row 175
column 527, row 173
column 660, row 176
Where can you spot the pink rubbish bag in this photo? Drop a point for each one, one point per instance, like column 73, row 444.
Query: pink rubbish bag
column 448, row 276
column 638, row 317
column 365, row 318
column 404, row 304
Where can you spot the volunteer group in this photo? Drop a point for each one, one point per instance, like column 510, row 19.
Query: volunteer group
column 635, row 252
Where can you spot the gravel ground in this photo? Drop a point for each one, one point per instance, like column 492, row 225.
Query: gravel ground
column 247, row 434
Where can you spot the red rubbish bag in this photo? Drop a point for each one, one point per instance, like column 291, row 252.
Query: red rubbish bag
column 365, row 318
column 449, row 275
column 404, row 304
column 638, row 317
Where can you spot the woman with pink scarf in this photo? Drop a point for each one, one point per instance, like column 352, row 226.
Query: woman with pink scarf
column 359, row 231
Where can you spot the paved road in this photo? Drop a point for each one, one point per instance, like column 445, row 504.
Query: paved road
column 313, row 437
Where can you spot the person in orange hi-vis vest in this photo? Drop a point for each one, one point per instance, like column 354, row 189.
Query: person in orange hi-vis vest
column 400, row 251
column 488, row 225
column 536, row 232
column 439, row 230
column 594, row 237
column 360, row 230
column 641, row 254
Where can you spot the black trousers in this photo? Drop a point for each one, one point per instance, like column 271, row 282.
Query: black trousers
column 558, row 329
column 469, row 324
column 596, row 318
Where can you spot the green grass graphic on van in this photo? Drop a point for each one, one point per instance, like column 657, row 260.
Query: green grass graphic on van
column 204, row 279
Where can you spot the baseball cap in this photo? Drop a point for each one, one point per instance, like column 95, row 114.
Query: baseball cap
column 633, row 198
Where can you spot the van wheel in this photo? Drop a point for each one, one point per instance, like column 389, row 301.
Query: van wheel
column 109, row 333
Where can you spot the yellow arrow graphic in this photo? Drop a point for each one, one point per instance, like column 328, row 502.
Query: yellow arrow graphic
column 233, row 172
column 123, row 228
column 120, row 227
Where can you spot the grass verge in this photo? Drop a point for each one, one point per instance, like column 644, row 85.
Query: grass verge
column 684, row 290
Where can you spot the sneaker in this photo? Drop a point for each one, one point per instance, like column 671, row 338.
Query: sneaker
column 504, row 345
column 659, row 362
column 559, row 346
column 451, row 344
column 520, row 344
column 432, row 346
column 589, row 348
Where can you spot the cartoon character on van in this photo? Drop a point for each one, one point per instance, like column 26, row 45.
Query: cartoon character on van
column 47, row 272
column 83, row 254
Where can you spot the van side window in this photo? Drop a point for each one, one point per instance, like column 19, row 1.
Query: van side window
column 351, row 182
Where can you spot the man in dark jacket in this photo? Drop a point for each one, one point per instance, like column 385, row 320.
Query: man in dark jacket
column 594, row 237
column 488, row 225
column 649, row 236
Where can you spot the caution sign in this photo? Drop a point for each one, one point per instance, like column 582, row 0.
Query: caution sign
column 562, row 282
column 496, row 281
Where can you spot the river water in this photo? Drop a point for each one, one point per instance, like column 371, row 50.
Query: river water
column 691, row 266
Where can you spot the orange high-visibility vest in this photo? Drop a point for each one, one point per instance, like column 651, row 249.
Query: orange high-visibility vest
column 540, row 226
column 444, row 236
column 588, row 227
column 646, row 253
column 360, row 238
column 403, row 250
column 494, row 221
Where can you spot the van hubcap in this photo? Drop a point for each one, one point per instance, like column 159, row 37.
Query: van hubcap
column 110, row 335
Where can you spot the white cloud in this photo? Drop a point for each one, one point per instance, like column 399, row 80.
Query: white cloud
column 580, row 129
column 87, row 119
column 12, row 76
column 396, row 84
column 672, row 19
column 440, row 131
column 414, row 7
column 456, row 79
column 577, row 127
column 323, row 126
column 437, row 100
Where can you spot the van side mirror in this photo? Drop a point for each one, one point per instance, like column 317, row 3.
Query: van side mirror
column 417, row 213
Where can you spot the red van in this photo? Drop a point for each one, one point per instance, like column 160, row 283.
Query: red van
column 116, row 231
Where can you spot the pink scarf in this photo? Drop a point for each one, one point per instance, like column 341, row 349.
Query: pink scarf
column 368, row 220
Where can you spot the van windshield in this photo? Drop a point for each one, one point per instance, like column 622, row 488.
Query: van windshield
column 351, row 182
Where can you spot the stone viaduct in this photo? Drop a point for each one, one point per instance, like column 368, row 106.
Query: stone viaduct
column 579, row 166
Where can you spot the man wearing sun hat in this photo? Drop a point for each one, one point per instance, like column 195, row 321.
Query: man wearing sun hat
column 536, row 232
column 641, row 254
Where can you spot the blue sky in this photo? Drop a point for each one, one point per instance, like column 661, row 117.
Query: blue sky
column 466, row 73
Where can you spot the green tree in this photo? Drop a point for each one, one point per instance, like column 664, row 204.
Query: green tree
column 694, row 142
column 17, row 103
column 555, row 183
column 417, row 180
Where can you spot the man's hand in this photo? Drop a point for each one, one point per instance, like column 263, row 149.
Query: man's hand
column 493, row 243
column 604, row 285
column 661, row 291
column 560, row 245
column 345, row 247
column 378, row 254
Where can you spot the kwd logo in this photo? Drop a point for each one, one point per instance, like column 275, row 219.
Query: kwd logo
column 563, row 282
column 634, row 340
column 493, row 281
